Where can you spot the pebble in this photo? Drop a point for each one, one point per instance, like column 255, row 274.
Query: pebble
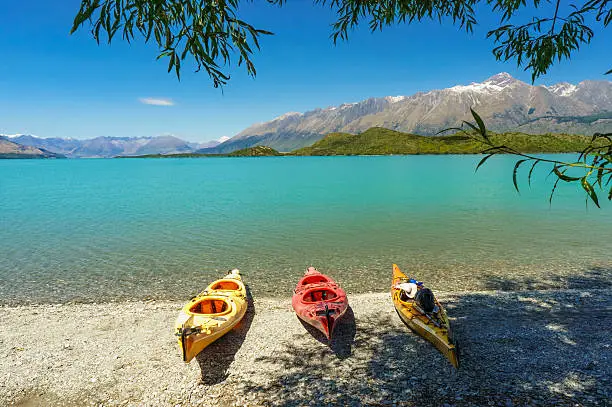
column 267, row 363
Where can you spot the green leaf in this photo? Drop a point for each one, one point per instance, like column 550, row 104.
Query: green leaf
column 561, row 175
column 590, row 190
column 481, row 125
column 471, row 125
column 84, row 15
column 171, row 54
column 177, row 66
column 600, row 172
column 552, row 192
column 483, row 161
column 516, row 167
column 531, row 171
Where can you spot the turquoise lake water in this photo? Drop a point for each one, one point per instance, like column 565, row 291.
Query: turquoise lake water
column 93, row 230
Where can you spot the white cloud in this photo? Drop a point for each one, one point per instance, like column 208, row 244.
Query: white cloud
column 157, row 101
column 222, row 139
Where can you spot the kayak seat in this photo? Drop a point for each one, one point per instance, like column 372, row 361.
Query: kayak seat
column 210, row 307
column 404, row 297
column 314, row 280
column 225, row 285
column 321, row 294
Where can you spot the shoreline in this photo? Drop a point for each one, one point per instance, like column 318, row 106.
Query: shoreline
column 493, row 276
column 289, row 154
column 125, row 354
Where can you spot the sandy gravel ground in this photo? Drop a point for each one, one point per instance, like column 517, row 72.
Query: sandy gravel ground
column 517, row 348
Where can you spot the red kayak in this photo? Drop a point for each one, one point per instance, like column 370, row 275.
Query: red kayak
column 319, row 301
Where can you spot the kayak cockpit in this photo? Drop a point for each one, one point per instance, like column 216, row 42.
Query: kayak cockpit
column 225, row 285
column 316, row 279
column 319, row 294
column 211, row 306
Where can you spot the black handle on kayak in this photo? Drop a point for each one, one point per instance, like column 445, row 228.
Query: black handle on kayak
column 183, row 345
column 328, row 316
column 327, row 312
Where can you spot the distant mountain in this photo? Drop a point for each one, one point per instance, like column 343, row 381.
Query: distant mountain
column 210, row 144
column 103, row 147
column 10, row 149
column 505, row 103
column 56, row 145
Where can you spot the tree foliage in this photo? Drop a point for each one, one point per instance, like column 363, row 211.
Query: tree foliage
column 540, row 42
column 213, row 35
column 592, row 170
column 208, row 31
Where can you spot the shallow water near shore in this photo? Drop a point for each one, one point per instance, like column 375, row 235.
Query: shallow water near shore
column 98, row 230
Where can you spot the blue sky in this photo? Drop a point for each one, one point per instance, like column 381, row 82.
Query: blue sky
column 53, row 84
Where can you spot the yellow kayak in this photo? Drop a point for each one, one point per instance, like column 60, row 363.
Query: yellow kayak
column 211, row 314
column 433, row 326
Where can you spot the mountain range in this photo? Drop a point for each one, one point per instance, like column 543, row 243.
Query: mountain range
column 504, row 103
column 102, row 147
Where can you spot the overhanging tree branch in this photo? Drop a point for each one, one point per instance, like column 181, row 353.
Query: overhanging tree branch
column 595, row 160
column 211, row 33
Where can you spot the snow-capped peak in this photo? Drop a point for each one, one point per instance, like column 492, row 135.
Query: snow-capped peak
column 477, row 87
column 562, row 89
column 347, row 105
column 394, row 99
column 502, row 79
column 495, row 83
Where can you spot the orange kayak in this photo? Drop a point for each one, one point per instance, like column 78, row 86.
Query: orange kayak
column 319, row 301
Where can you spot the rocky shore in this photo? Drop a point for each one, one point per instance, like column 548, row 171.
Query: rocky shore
column 548, row 348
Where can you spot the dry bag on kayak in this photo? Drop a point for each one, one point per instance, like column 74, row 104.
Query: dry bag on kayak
column 425, row 299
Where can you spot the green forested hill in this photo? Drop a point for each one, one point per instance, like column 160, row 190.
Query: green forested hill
column 378, row 140
column 257, row 151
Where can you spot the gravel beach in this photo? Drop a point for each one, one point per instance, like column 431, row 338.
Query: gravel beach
column 548, row 348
